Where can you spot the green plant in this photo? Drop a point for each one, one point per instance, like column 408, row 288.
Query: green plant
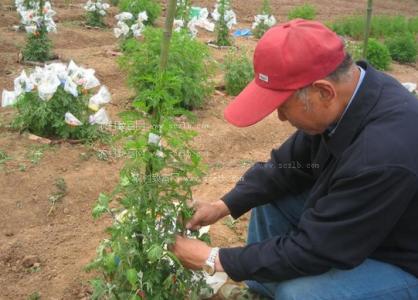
column 378, row 54
column 221, row 27
column 188, row 60
column 38, row 46
column 264, row 21
column 46, row 118
column 402, row 48
column 413, row 24
column 47, row 105
column 22, row 167
column 305, row 11
column 152, row 8
column 381, row 26
column 238, row 72
column 34, row 296
column 95, row 12
column 37, row 26
column 183, row 10
column 35, row 154
column 61, row 191
column 3, row 157
column 154, row 187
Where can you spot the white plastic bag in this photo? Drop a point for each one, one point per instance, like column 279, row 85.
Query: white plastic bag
column 124, row 16
column 71, row 87
column 411, row 87
column 8, row 98
column 71, row 120
column 100, row 117
column 102, row 97
column 48, row 86
column 154, row 139
column 23, row 84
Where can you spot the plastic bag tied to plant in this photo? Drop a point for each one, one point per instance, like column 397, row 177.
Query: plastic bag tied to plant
column 32, row 20
column 96, row 10
column 57, row 95
column 36, row 19
column 127, row 27
column 225, row 18
column 155, row 185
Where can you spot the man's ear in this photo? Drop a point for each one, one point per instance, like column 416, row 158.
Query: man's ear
column 325, row 90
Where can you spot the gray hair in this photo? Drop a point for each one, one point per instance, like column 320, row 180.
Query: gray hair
column 342, row 72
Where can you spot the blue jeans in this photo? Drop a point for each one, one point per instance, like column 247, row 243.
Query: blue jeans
column 372, row 280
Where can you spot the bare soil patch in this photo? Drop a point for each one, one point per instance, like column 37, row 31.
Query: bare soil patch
column 62, row 240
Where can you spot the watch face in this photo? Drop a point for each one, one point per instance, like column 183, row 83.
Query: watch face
column 209, row 269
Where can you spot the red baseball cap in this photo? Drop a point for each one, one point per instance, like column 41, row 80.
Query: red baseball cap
column 288, row 57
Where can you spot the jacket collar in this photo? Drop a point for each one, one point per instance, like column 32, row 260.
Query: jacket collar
column 355, row 117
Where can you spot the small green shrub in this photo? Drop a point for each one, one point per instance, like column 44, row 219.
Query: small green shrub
column 3, row 156
column 238, row 73
column 188, row 60
column 352, row 26
column 38, row 46
column 413, row 25
column 264, row 21
column 58, row 102
column 95, row 12
column 402, row 48
column 221, row 26
column 152, row 8
column 381, row 26
column 46, row 118
column 305, row 11
column 378, row 54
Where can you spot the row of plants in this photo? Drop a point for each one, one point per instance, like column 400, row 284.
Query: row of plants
column 392, row 38
column 381, row 26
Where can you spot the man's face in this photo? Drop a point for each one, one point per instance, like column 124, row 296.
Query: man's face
column 312, row 115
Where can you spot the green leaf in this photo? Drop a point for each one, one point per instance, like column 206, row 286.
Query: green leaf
column 132, row 277
column 155, row 253
column 124, row 181
column 110, row 262
column 102, row 206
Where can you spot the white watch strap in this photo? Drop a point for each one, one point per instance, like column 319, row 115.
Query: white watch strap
column 212, row 256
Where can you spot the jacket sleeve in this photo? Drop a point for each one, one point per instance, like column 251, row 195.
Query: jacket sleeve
column 288, row 170
column 333, row 233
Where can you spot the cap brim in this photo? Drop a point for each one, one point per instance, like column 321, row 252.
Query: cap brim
column 253, row 104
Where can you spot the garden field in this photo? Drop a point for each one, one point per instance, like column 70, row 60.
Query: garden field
column 48, row 190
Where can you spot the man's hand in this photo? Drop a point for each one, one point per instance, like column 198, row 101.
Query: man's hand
column 193, row 253
column 207, row 214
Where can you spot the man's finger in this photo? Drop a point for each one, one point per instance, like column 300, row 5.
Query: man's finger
column 192, row 224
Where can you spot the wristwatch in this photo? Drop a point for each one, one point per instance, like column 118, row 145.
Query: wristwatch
column 209, row 266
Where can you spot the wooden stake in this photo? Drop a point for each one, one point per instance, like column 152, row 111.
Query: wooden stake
column 367, row 28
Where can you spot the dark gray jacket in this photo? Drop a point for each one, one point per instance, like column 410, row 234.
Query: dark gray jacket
column 363, row 201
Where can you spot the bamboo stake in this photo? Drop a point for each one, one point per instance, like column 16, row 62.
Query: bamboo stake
column 367, row 29
column 168, row 29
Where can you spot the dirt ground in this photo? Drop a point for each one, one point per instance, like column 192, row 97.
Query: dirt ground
column 61, row 238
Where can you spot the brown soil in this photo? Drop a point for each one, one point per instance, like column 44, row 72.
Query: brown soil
column 63, row 237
